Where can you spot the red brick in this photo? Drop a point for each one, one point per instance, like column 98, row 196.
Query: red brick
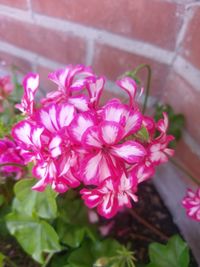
column 191, row 42
column 152, row 21
column 22, row 65
column 184, row 99
column 62, row 47
column 15, row 3
column 113, row 62
column 188, row 159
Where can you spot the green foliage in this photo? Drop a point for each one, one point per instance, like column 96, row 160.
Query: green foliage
column 2, row 200
column 176, row 121
column 34, row 235
column 174, row 254
column 72, row 223
column 35, row 203
column 2, row 258
column 143, row 134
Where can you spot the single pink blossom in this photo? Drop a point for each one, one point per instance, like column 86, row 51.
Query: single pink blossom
column 191, row 203
column 111, row 195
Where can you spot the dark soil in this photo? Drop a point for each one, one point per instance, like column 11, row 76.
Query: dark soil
column 150, row 207
column 127, row 229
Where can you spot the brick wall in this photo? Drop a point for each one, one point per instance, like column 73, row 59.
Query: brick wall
column 114, row 36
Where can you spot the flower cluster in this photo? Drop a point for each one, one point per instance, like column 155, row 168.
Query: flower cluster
column 6, row 88
column 73, row 140
column 192, row 204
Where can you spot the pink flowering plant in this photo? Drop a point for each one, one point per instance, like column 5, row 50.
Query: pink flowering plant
column 69, row 147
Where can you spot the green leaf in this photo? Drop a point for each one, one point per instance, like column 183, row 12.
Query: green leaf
column 72, row 211
column 174, row 254
column 60, row 260
column 2, row 200
column 70, row 235
column 35, row 236
column 2, row 258
column 32, row 202
column 82, row 257
column 143, row 134
column 106, row 248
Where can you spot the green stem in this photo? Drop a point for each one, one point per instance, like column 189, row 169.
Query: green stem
column 180, row 167
column 148, row 83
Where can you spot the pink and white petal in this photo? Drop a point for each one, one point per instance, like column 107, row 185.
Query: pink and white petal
column 114, row 111
column 78, row 85
column 90, row 138
column 130, row 86
column 80, row 124
column 36, row 133
column 133, row 122
column 30, row 84
column 40, row 170
column 95, row 89
column 40, row 185
column 21, row 133
column 130, row 151
column 108, row 207
column 110, row 132
column 59, row 187
column 66, row 114
column 79, row 102
column 162, row 124
column 89, row 170
column 106, row 169
column 48, row 118
column 59, row 77
column 169, row 151
column 91, row 197
column 70, row 179
column 55, row 146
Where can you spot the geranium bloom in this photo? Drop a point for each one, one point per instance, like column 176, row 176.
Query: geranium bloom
column 111, row 195
column 10, row 153
column 71, row 139
column 191, row 202
column 6, row 88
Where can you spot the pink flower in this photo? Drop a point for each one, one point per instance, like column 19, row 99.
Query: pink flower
column 71, row 139
column 102, row 141
column 158, row 150
column 191, row 203
column 10, row 153
column 70, row 81
column 6, row 88
column 111, row 195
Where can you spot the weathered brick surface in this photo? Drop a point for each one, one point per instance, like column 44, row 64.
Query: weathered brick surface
column 184, row 99
column 191, row 43
column 22, row 65
column 152, row 21
column 22, row 4
column 113, row 62
column 59, row 46
column 188, row 158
